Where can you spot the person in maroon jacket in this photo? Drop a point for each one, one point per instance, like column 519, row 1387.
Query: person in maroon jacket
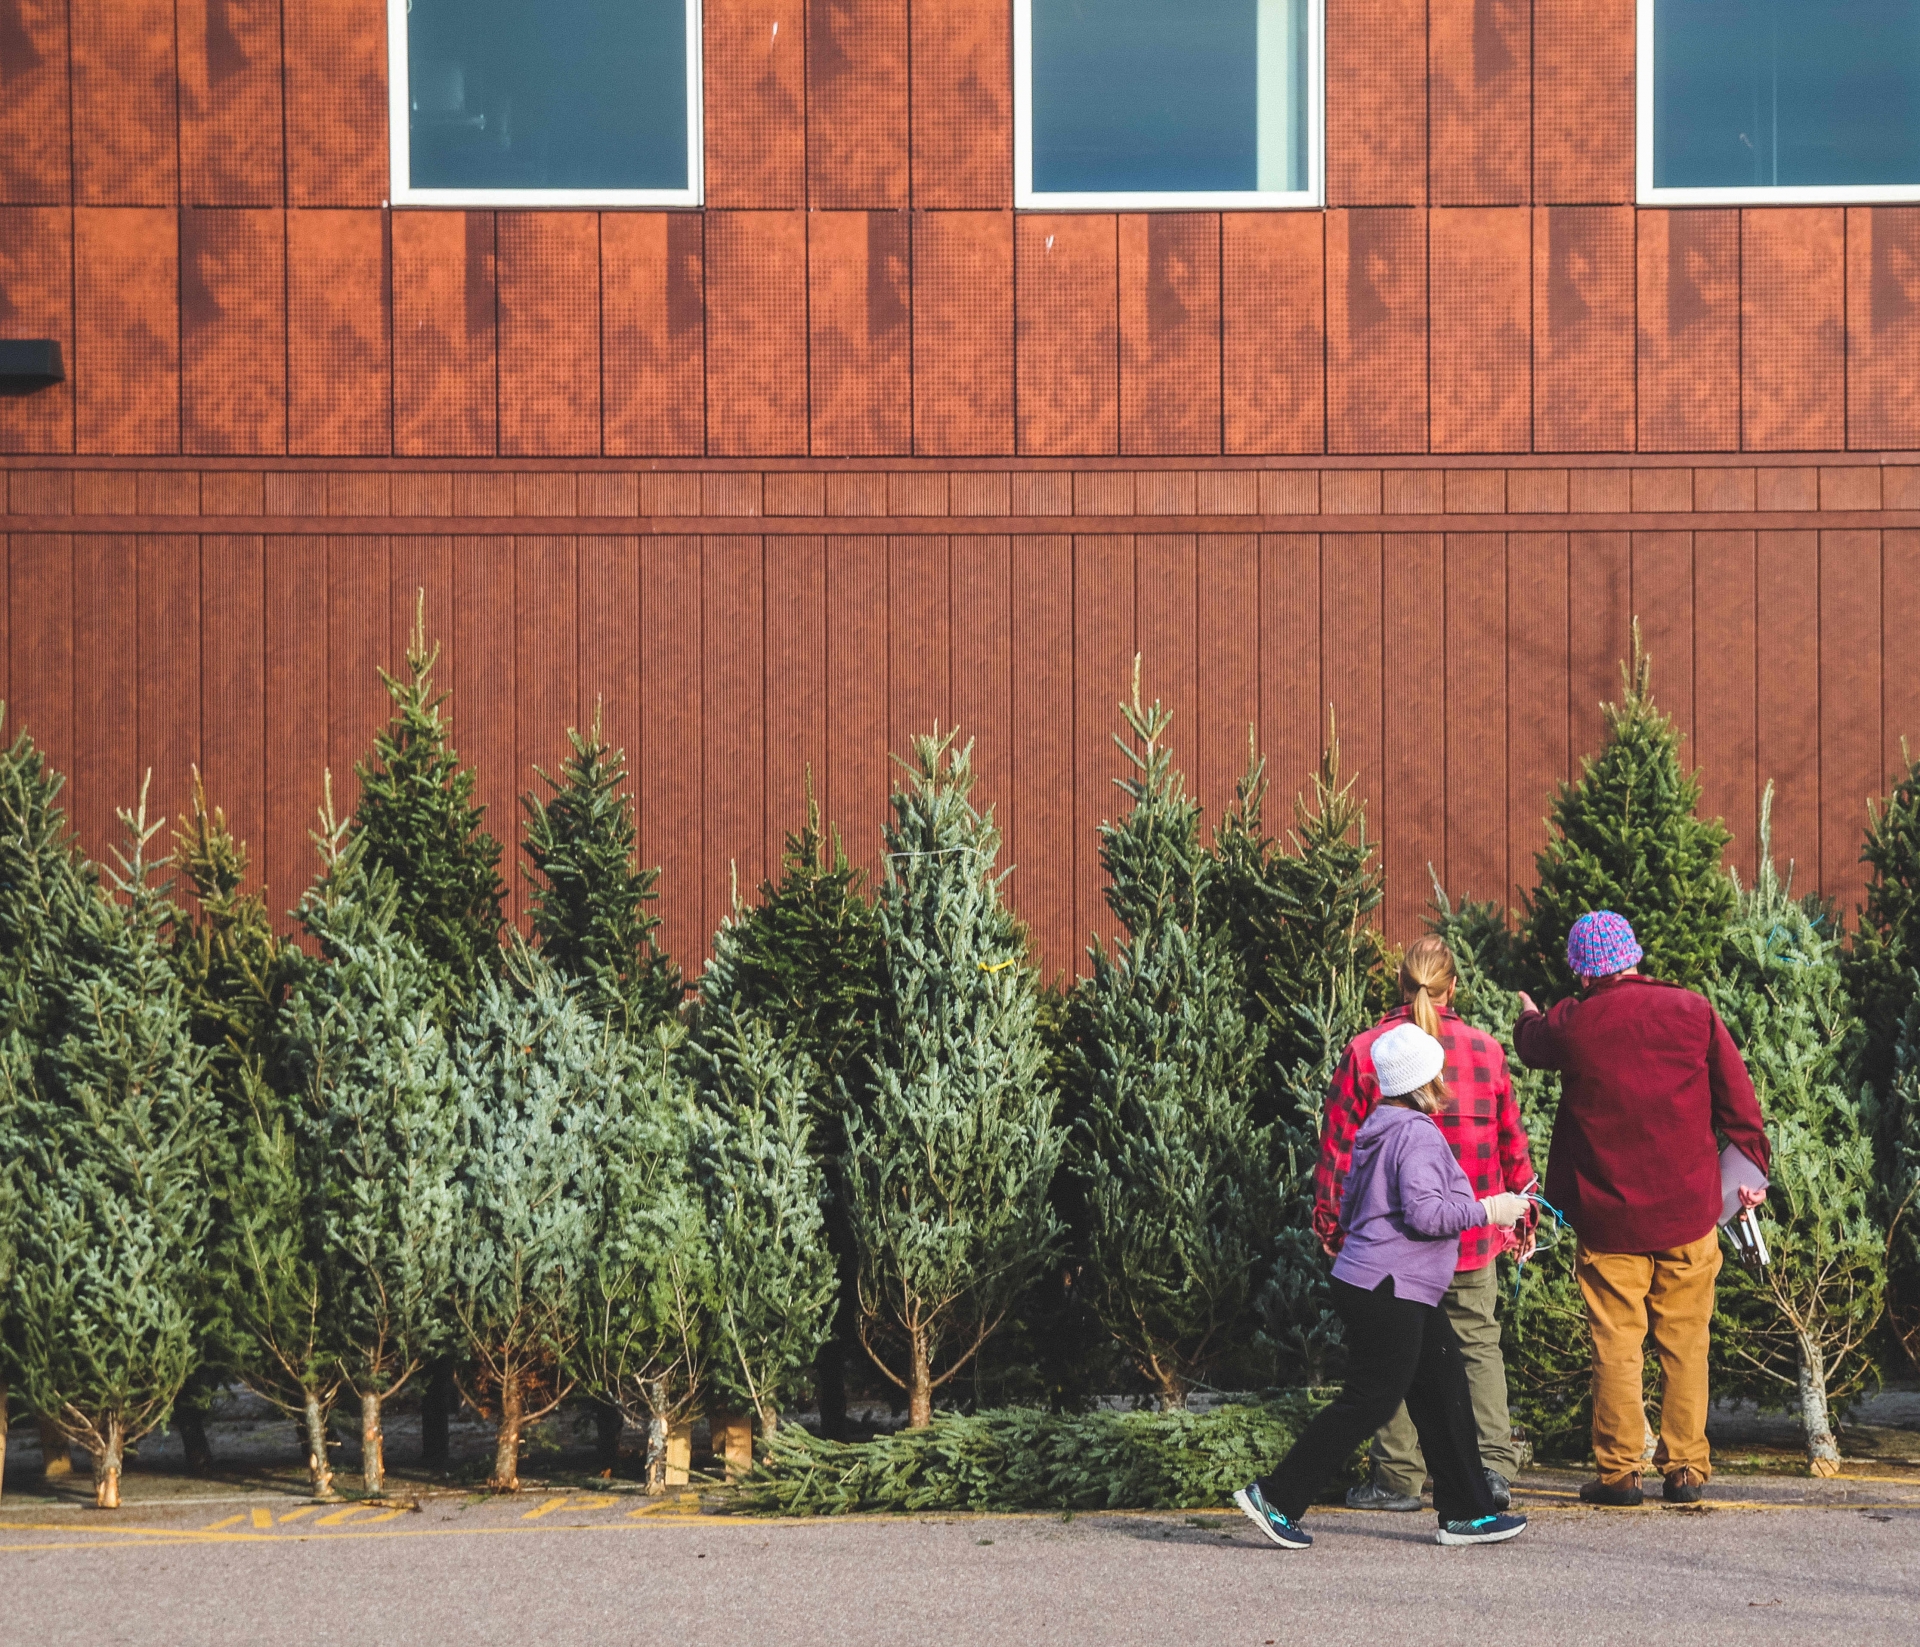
column 1649, row 1076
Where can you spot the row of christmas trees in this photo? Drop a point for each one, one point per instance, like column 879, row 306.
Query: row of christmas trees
column 869, row 1138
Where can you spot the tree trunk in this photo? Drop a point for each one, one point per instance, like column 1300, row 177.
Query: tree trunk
column 55, row 1449
column 437, row 1402
column 1823, row 1452
column 373, row 1457
column 319, row 1471
column 920, row 1390
column 656, row 1475
column 769, row 1422
column 106, row 1470
column 506, row 1438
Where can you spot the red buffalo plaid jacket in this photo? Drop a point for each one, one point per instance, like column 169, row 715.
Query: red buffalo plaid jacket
column 1481, row 1121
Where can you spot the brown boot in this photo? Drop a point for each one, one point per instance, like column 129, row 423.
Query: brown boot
column 1623, row 1494
column 1684, row 1486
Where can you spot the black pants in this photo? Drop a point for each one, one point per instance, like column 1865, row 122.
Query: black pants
column 1397, row 1350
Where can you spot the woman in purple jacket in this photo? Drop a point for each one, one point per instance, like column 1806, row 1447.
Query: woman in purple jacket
column 1405, row 1205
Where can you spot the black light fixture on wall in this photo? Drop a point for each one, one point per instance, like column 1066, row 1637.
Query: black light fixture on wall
column 30, row 363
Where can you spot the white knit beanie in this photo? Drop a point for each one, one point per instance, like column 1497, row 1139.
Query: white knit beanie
column 1406, row 1058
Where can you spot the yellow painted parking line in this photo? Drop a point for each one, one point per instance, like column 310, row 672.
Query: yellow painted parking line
column 567, row 1501
column 263, row 1518
column 340, row 1516
column 231, row 1521
column 371, row 1521
column 295, row 1515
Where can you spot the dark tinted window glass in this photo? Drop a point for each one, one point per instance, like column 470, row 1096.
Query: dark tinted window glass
column 548, row 94
column 1176, row 95
column 1758, row 93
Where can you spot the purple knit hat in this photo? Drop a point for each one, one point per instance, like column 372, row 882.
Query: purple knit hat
column 1602, row 944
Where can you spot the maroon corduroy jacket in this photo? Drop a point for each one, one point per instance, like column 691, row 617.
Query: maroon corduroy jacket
column 1648, row 1075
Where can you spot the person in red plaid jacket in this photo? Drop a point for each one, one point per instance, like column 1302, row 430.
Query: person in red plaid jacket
column 1482, row 1123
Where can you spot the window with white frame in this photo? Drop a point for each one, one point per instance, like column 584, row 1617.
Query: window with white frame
column 1779, row 100
column 1167, row 103
column 545, row 102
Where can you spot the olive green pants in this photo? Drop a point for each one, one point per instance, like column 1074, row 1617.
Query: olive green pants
column 1469, row 1304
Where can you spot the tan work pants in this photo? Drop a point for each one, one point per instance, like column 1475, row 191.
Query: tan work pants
column 1671, row 1294
column 1469, row 1303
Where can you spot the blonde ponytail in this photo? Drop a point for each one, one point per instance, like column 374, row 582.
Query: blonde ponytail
column 1427, row 978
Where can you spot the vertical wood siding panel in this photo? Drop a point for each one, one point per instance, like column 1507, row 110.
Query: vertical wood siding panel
column 1477, row 783
column 169, row 652
column 233, row 331
column 981, row 669
column 1409, row 795
column 1293, row 703
column 1480, row 55
column 756, row 333
column 860, row 338
column 1167, row 635
column 1583, row 329
column 1170, row 332
column 1689, row 331
column 1352, row 613
column 549, row 333
column 1663, row 601
column 297, row 755
column 653, row 332
column 796, row 685
column 962, row 104
column 126, row 366
column 1376, row 102
column 609, row 607
column 1583, row 91
column 1039, row 825
column 1482, row 368
column 35, row 154
column 1725, row 678
column 1883, row 327
column 734, row 730
column 1599, row 630
column 36, row 300
column 962, row 332
column 1065, row 308
column 336, row 78
column 1376, row 331
column 1104, row 640
column 1792, row 329
column 445, row 390
column 1274, row 329
column 1537, row 693
column 483, row 672
column 671, row 757
column 1229, row 685
column 233, row 686
column 1789, row 692
column 755, row 63
column 105, row 684
column 546, row 675
column 41, row 652
column 1900, row 688
column 856, row 104
column 857, row 779
column 339, row 345
column 1850, row 729
column 125, row 122
column 359, row 646
column 919, row 641
column 230, row 117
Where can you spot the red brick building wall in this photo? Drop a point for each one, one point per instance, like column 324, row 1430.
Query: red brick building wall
column 857, row 445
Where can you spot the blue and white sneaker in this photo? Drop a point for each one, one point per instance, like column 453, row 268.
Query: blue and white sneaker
column 1284, row 1531
column 1489, row 1529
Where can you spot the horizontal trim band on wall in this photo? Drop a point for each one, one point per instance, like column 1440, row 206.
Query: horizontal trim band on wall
column 906, row 526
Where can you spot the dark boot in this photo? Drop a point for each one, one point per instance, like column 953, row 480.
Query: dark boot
column 1624, row 1494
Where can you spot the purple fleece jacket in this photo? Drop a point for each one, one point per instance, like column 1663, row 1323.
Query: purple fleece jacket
column 1405, row 1205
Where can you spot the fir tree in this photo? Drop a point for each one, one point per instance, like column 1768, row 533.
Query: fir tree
column 1625, row 838
column 592, row 912
column 1803, row 1325
column 649, row 1292
column 39, row 865
column 369, row 1060
column 108, row 1114
column 951, row 1157
column 417, row 824
column 532, row 1066
column 764, row 1186
column 1893, row 1122
column 1178, row 1202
